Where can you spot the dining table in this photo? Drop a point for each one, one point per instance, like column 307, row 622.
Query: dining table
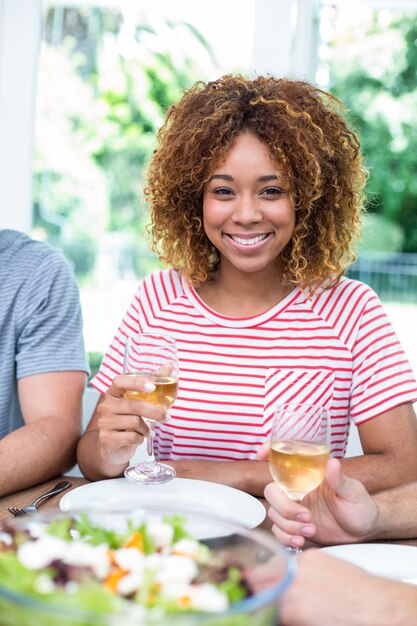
column 21, row 498
column 25, row 496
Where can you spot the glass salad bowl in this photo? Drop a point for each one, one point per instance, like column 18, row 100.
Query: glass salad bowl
column 143, row 567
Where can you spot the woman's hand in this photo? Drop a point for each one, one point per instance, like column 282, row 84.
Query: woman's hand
column 120, row 423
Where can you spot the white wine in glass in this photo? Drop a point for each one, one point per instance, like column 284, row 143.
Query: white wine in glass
column 154, row 358
column 300, row 448
column 165, row 392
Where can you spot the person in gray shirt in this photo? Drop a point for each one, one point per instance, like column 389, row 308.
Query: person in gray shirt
column 43, row 363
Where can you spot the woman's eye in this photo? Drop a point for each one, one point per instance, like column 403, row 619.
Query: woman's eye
column 272, row 191
column 222, row 191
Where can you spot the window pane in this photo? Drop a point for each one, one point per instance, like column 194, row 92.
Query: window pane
column 106, row 76
column 368, row 58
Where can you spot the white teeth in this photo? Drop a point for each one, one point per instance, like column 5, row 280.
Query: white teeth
column 249, row 242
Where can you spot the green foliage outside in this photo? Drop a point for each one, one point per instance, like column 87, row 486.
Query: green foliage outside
column 376, row 79
column 381, row 234
column 104, row 84
column 94, row 360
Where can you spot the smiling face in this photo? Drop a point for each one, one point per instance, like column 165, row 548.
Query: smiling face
column 248, row 211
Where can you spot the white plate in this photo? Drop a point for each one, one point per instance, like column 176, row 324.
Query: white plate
column 383, row 559
column 180, row 493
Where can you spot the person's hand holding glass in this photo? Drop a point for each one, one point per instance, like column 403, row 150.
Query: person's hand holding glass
column 154, row 358
column 300, row 448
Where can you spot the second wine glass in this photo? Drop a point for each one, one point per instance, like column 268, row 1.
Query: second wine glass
column 300, row 448
column 154, row 358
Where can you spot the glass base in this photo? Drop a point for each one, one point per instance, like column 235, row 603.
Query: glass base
column 150, row 473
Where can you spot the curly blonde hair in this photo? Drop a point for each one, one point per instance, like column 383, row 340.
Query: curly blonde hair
column 309, row 140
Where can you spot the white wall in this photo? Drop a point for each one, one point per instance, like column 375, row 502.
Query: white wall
column 20, row 27
column 285, row 38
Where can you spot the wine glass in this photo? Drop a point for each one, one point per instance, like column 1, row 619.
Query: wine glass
column 154, row 358
column 300, row 448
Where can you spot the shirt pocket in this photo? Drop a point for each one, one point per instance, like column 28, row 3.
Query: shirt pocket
column 297, row 386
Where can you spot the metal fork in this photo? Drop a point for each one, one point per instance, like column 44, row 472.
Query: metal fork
column 32, row 507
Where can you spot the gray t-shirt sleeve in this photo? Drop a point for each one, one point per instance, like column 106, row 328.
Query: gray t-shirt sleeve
column 49, row 337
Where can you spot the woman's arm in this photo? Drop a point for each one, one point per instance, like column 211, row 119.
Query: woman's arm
column 105, row 450
column 249, row 476
column 389, row 443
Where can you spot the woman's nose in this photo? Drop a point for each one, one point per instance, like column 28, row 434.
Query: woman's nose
column 246, row 211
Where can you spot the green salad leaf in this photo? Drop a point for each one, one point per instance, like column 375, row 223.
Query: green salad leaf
column 233, row 587
column 96, row 535
column 60, row 528
column 14, row 575
column 178, row 524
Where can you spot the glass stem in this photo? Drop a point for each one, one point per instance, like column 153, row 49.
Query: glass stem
column 150, row 457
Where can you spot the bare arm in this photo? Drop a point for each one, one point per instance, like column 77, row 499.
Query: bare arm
column 327, row 590
column 342, row 511
column 45, row 446
column 397, row 513
column 249, row 476
column 117, row 428
column 389, row 443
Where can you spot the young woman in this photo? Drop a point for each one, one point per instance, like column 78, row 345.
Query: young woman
column 255, row 193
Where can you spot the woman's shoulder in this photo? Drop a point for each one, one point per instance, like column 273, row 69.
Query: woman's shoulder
column 346, row 298
column 346, row 288
column 344, row 306
column 164, row 285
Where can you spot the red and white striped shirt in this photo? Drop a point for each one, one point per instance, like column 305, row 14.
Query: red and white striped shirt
column 336, row 348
